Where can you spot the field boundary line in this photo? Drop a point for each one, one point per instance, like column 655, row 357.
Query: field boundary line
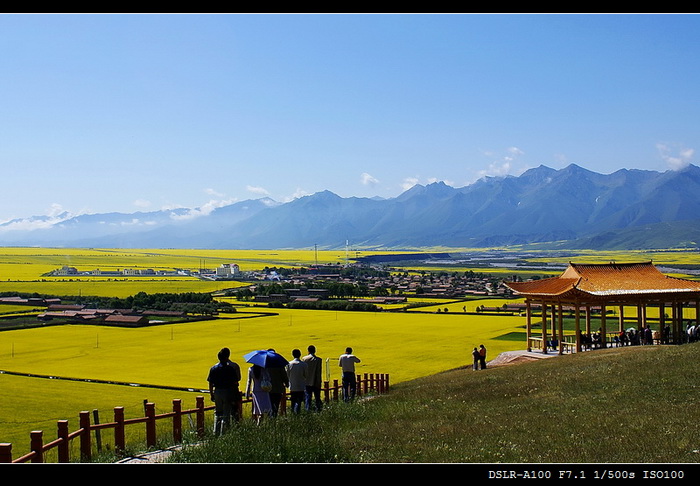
column 103, row 382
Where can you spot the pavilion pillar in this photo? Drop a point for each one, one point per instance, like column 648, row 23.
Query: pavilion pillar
column 622, row 318
column 674, row 323
column 561, row 329
column 528, row 320
column 544, row 327
column 662, row 322
column 684, row 333
column 588, row 319
column 603, row 331
column 553, row 331
column 577, row 319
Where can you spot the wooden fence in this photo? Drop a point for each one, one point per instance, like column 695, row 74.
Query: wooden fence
column 370, row 383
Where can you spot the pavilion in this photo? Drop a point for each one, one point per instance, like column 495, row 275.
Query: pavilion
column 588, row 289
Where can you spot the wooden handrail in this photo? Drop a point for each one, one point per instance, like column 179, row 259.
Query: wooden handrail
column 370, row 383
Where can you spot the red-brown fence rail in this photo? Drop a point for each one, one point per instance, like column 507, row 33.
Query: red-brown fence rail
column 369, row 383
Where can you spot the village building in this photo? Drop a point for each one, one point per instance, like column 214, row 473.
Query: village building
column 593, row 290
column 66, row 270
column 228, row 270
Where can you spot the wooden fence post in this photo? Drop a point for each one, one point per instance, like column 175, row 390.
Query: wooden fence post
column 5, row 453
column 326, row 391
column 335, row 390
column 150, row 424
column 85, row 438
column 64, row 445
column 98, row 432
column 119, row 441
column 200, row 416
column 283, row 404
column 177, row 420
column 37, row 445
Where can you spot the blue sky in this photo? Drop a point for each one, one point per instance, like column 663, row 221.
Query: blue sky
column 126, row 113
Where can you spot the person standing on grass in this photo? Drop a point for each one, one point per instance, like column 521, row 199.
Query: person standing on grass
column 223, row 379
column 476, row 357
column 296, row 371
column 347, row 363
column 259, row 387
column 482, row 357
column 279, row 381
column 313, row 379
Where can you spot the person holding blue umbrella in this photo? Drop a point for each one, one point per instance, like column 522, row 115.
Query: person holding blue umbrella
column 259, row 383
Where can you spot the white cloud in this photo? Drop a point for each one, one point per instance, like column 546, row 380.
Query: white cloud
column 142, row 203
column 368, row 179
column 56, row 210
column 561, row 159
column 213, row 192
column 297, row 194
column 203, row 210
column 408, row 183
column 497, row 169
column 675, row 157
column 435, row 179
column 258, row 190
column 514, row 152
column 503, row 164
column 55, row 214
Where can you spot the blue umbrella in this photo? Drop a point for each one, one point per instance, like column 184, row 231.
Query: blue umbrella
column 266, row 359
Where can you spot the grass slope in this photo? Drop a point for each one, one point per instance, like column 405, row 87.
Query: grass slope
column 631, row 405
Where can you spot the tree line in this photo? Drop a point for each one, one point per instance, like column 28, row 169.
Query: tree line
column 188, row 302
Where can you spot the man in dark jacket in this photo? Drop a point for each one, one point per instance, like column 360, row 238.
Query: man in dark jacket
column 223, row 380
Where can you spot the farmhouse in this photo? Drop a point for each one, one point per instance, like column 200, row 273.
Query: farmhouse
column 585, row 287
column 38, row 301
column 122, row 320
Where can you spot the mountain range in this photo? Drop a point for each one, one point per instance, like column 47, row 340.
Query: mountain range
column 571, row 207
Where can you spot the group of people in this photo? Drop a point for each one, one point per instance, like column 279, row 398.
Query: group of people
column 629, row 337
column 479, row 358
column 267, row 385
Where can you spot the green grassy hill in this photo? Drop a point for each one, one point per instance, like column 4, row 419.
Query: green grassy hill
column 621, row 405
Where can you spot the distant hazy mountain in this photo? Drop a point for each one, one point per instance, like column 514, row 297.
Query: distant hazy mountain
column 625, row 209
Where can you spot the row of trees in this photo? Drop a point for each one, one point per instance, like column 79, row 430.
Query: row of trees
column 187, row 302
column 338, row 290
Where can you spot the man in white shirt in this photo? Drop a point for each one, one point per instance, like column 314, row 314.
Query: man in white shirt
column 347, row 363
column 313, row 380
column 296, row 372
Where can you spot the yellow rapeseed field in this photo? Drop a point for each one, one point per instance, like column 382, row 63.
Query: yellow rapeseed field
column 405, row 345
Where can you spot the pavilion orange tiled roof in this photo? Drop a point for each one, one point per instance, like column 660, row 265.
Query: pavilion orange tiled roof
column 607, row 279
